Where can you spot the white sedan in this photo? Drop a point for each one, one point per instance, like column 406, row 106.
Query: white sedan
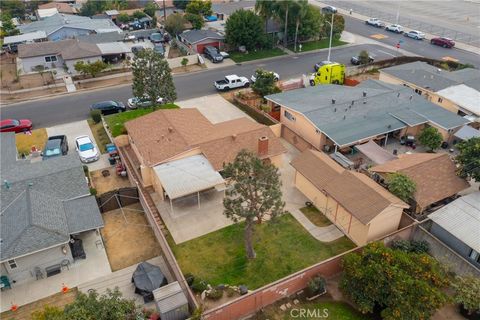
column 414, row 34
column 276, row 76
column 134, row 103
column 394, row 28
column 86, row 149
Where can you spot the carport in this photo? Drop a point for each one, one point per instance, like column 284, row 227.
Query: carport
column 187, row 176
column 114, row 51
column 375, row 153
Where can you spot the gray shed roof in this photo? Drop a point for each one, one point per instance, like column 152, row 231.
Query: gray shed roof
column 43, row 204
column 385, row 108
column 58, row 21
column 194, row 36
column 461, row 218
column 430, row 77
column 31, row 36
column 169, row 297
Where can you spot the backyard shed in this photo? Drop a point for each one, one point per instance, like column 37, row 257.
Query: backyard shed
column 171, row 302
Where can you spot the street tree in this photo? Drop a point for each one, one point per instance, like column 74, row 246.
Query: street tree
column 364, row 57
column 300, row 9
column 90, row 68
column 264, row 83
column 256, row 194
column 431, row 138
column 404, row 285
column 401, row 185
column 152, row 77
column 467, row 293
column 175, row 24
column 244, row 28
column 469, row 158
column 184, row 63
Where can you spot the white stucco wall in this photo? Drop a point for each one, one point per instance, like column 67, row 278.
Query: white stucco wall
column 28, row 63
column 71, row 63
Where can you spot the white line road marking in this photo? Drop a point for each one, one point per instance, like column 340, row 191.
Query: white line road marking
column 387, row 53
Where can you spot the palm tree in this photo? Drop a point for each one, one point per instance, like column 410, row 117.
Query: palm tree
column 265, row 9
column 283, row 7
column 300, row 10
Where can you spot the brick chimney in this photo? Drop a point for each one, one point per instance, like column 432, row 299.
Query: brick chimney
column 262, row 146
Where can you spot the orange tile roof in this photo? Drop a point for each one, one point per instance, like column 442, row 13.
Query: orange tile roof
column 164, row 134
column 357, row 193
column 434, row 174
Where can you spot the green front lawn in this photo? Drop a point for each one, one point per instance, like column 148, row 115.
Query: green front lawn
column 254, row 55
column 99, row 134
column 116, row 121
column 315, row 216
column 317, row 44
column 282, row 247
column 331, row 310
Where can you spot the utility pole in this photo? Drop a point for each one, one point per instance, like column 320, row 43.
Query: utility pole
column 164, row 13
column 398, row 13
column 331, row 35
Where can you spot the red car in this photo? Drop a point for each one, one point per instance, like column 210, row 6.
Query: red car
column 14, row 125
column 443, row 42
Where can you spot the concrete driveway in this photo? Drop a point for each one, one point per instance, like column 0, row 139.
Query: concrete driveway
column 214, row 107
column 73, row 130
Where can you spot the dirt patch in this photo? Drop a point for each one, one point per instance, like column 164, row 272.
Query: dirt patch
column 109, row 183
column 174, row 53
column 57, row 300
column 128, row 237
column 104, row 82
column 190, row 68
column 15, row 97
column 366, row 76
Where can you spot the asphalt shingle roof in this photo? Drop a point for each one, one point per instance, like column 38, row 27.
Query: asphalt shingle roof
column 385, row 108
column 68, row 49
column 194, row 36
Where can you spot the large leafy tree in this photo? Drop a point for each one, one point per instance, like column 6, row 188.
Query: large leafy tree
column 14, row 8
column 180, row 4
column 196, row 20
column 404, row 285
column 244, row 28
column 150, row 9
column 175, row 24
column 152, row 77
column 310, row 24
column 199, row 7
column 282, row 10
column 469, row 158
column 265, row 9
column 431, row 138
column 256, row 194
column 401, row 185
column 7, row 28
column 467, row 293
column 264, row 83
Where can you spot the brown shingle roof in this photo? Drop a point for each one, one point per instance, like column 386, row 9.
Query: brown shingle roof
column 433, row 173
column 68, row 49
column 357, row 193
column 164, row 134
column 61, row 7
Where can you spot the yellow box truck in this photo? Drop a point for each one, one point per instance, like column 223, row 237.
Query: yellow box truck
column 328, row 72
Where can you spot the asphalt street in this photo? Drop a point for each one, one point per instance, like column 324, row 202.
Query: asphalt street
column 75, row 107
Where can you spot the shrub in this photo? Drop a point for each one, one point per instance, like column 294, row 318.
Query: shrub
column 215, row 294
column 411, row 246
column 230, row 292
column 316, row 285
column 85, row 169
column 93, row 191
column 467, row 293
column 96, row 115
column 189, row 278
column 199, row 285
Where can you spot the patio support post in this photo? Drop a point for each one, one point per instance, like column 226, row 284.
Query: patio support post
column 171, row 205
column 336, row 147
column 386, row 139
column 198, row 198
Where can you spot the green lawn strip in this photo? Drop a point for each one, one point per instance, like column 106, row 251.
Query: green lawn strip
column 254, row 55
column 282, row 247
column 315, row 216
column 116, row 121
column 99, row 134
column 318, row 44
column 335, row 311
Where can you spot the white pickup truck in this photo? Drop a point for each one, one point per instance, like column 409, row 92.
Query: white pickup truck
column 232, row 82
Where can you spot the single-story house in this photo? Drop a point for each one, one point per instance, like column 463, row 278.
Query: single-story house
column 356, row 204
column 14, row 41
column 65, row 53
column 199, row 39
column 66, row 26
column 332, row 116
column 456, row 91
column 458, row 225
column 179, row 152
column 433, row 173
column 51, row 8
column 44, row 205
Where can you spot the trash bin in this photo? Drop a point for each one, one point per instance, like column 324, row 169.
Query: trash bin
column 111, row 161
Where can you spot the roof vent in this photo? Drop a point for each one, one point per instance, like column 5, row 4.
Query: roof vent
column 344, row 117
column 389, row 126
column 234, row 136
column 334, row 109
column 346, row 109
column 7, row 184
column 398, row 95
column 364, row 93
column 170, row 129
column 364, row 101
column 431, row 77
column 353, row 102
column 439, row 70
column 333, row 101
column 411, row 97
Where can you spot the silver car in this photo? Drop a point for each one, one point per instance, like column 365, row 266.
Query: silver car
column 414, row 34
column 135, row 102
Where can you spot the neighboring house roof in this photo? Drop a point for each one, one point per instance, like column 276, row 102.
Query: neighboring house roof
column 42, row 203
column 113, row 48
column 429, row 77
column 375, row 153
column 32, row 36
column 465, row 97
column 61, row 7
column 433, row 173
column 112, row 12
column 357, row 193
column 467, row 132
column 461, row 218
column 58, row 21
column 68, row 49
column 386, row 108
column 164, row 134
column 44, row 13
column 8, row 150
column 195, row 36
column 105, row 37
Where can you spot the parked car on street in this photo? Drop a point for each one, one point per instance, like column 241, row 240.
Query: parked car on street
column 329, row 9
column 55, row 146
column 135, row 102
column 357, row 60
column 414, row 34
column 108, row 107
column 394, row 28
column 276, row 76
column 212, row 54
column 232, row 82
column 156, row 37
column 86, row 149
column 443, row 42
column 14, row 125
column 375, row 22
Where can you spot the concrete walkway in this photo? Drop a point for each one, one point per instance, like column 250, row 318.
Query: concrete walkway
column 324, row 234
